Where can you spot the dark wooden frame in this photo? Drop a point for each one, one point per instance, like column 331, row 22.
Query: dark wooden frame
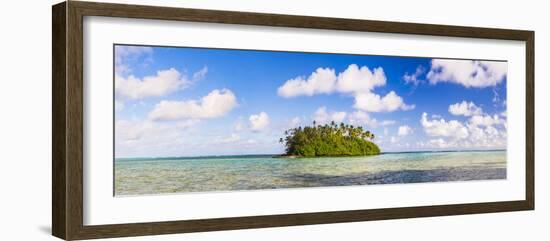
column 67, row 123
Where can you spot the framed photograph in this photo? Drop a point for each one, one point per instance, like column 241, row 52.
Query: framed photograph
column 171, row 120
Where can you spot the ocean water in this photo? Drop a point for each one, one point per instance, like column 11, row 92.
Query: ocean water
column 225, row 173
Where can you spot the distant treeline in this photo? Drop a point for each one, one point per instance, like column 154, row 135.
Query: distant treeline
column 329, row 140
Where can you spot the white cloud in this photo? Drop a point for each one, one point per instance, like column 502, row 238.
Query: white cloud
column 128, row 130
column 321, row 116
column 469, row 73
column 374, row 103
column 486, row 120
column 295, row 122
column 216, row 104
column 387, row 122
column 355, row 79
column 438, row 143
column 143, row 130
column 124, row 53
column 404, row 130
column 259, row 122
column 440, row 127
column 226, row 140
column 319, row 82
column 149, row 138
column 479, row 132
column 200, row 74
column 413, row 78
column 359, row 82
column 465, row 108
column 338, row 116
column 235, row 144
column 128, row 86
column 164, row 82
column 362, row 118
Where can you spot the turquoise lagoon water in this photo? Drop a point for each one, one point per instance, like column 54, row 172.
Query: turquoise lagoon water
column 225, row 173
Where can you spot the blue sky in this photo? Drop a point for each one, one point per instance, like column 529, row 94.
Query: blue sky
column 195, row 101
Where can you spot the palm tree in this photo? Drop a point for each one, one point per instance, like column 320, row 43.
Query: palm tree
column 328, row 139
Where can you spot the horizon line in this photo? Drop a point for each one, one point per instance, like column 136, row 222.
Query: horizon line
column 268, row 154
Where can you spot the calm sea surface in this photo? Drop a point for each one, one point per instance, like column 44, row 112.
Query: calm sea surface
column 173, row 175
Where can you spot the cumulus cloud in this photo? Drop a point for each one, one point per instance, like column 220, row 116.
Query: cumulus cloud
column 465, row 108
column 414, row 77
column 479, row 132
column 357, row 79
column 404, row 130
column 322, row 81
column 469, row 73
column 438, row 143
column 147, row 138
column 440, row 127
column 164, row 82
column 259, row 121
column 362, row 118
column 486, row 120
column 358, row 82
column 338, row 116
column 321, row 116
column 128, row 86
column 216, row 104
column 375, row 103
column 294, row 122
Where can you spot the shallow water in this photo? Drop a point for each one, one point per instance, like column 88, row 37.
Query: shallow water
column 174, row 175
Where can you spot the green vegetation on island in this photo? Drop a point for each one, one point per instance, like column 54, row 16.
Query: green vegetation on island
column 329, row 140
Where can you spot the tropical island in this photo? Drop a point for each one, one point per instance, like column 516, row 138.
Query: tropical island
column 328, row 140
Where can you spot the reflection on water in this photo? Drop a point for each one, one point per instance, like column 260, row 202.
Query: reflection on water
column 154, row 176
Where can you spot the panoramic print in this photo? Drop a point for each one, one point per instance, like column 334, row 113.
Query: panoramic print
column 190, row 119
